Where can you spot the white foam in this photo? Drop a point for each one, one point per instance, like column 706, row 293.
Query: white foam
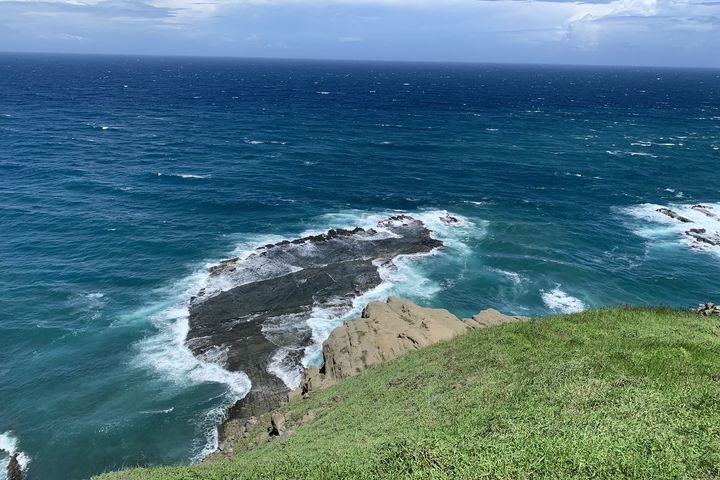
column 254, row 142
column 559, row 301
column 662, row 229
column 323, row 93
column 290, row 376
column 9, row 446
column 516, row 278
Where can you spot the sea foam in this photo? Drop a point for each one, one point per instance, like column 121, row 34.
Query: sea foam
column 558, row 300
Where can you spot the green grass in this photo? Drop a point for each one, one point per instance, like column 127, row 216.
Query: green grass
column 614, row 393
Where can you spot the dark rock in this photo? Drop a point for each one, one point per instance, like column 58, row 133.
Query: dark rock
column 449, row 219
column 700, row 235
column 675, row 215
column 14, row 470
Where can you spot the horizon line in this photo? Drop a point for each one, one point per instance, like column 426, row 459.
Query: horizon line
column 351, row 60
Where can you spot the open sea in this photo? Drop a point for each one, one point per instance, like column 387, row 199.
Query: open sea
column 122, row 179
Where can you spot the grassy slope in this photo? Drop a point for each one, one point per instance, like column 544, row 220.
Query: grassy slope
column 615, row 393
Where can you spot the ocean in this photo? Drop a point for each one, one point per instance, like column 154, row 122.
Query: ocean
column 123, row 179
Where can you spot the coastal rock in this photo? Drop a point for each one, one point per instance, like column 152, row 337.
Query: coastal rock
column 701, row 235
column 385, row 331
column 673, row 214
column 14, row 470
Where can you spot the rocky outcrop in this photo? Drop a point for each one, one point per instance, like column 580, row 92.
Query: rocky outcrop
column 257, row 315
column 385, row 331
column 674, row 215
column 14, row 470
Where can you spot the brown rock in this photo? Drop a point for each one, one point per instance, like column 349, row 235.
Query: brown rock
column 491, row 318
column 385, row 331
column 278, row 424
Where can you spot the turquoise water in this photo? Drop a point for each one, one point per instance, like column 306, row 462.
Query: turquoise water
column 123, row 178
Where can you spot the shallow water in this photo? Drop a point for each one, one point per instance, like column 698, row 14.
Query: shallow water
column 122, row 179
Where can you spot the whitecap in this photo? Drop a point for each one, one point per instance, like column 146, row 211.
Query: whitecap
column 323, row 93
column 182, row 175
column 254, row 142
column 559, row 301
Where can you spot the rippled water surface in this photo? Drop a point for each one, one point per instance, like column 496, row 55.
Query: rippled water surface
column 122, row 179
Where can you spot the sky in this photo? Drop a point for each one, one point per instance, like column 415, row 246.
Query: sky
column 602, row 32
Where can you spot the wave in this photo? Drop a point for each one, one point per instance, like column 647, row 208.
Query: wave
column 558, row 300
column 9, row 446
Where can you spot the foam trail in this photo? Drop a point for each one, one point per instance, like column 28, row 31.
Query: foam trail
column 559, row 301
column 9, row 446
column 516, row 278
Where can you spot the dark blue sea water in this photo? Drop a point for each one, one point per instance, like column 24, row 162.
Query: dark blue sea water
column 122, row 179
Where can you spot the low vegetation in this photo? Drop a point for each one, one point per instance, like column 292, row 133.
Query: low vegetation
column 614, row 393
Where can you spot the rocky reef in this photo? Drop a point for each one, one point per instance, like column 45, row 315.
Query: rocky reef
column 259, row 325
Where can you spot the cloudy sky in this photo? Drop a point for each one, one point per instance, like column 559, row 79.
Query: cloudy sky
column 616, row 32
